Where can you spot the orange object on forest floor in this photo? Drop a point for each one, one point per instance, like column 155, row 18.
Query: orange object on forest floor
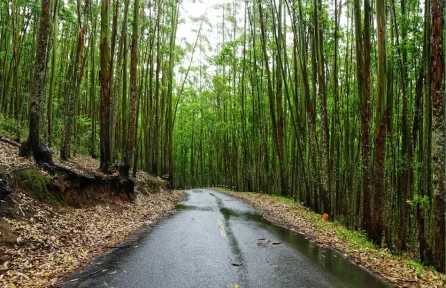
column 325, row 217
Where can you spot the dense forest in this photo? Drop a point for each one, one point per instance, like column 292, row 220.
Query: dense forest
column 337, row 104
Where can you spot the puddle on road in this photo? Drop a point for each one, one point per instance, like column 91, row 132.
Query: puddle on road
column 332, row 261
column 181, row 207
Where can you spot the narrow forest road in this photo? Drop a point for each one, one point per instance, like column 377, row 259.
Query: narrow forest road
column 217, row 241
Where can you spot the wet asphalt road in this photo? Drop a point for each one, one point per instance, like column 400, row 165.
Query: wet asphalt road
column 217, row 241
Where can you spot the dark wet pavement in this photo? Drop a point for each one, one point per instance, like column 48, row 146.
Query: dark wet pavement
column 217, row 241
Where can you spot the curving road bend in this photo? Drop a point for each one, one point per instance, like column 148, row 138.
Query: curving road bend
column 214, row 240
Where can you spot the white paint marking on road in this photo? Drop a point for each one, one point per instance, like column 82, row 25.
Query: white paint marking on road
column 222, row 228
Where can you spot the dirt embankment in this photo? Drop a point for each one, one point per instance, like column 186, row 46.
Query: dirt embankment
column 51, row 225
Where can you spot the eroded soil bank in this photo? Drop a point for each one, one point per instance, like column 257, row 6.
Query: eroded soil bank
column 41, row 241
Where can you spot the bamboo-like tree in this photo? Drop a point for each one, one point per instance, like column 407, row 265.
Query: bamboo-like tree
column 362, row 34
column 290, row 100
column 77, row 73
column 104, row 78
column 381, row 124
column 130, row 145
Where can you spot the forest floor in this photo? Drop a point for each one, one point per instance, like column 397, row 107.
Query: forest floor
column 43, row 241
column 399, row 271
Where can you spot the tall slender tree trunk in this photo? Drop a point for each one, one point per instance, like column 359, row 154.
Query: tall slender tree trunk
column 363, row 77
column 156, row 128
column 426, row 179
column 114, row 95
column 124, row 99
column 73, row 95
column 169, row 115
column 104, row 78
column 380, row 132
column 417, row 126
column 325, row 155
column 38, row 81
column 438, row 130
column 279, row 105
column 93, row 87
column 335, row 159
column 44, row 95
column 270, row 93
column 130, row 148
column 405, row 176
column 15, row 61
column 53, row 71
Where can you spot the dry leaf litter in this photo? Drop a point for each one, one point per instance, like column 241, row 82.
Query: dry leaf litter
column 58, row 240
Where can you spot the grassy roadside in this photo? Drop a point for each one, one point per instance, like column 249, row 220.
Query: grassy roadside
column 353, row 245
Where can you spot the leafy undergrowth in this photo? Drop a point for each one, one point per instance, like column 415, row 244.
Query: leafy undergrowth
column 36, row 183
column 40, row 242
column 353, row 245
